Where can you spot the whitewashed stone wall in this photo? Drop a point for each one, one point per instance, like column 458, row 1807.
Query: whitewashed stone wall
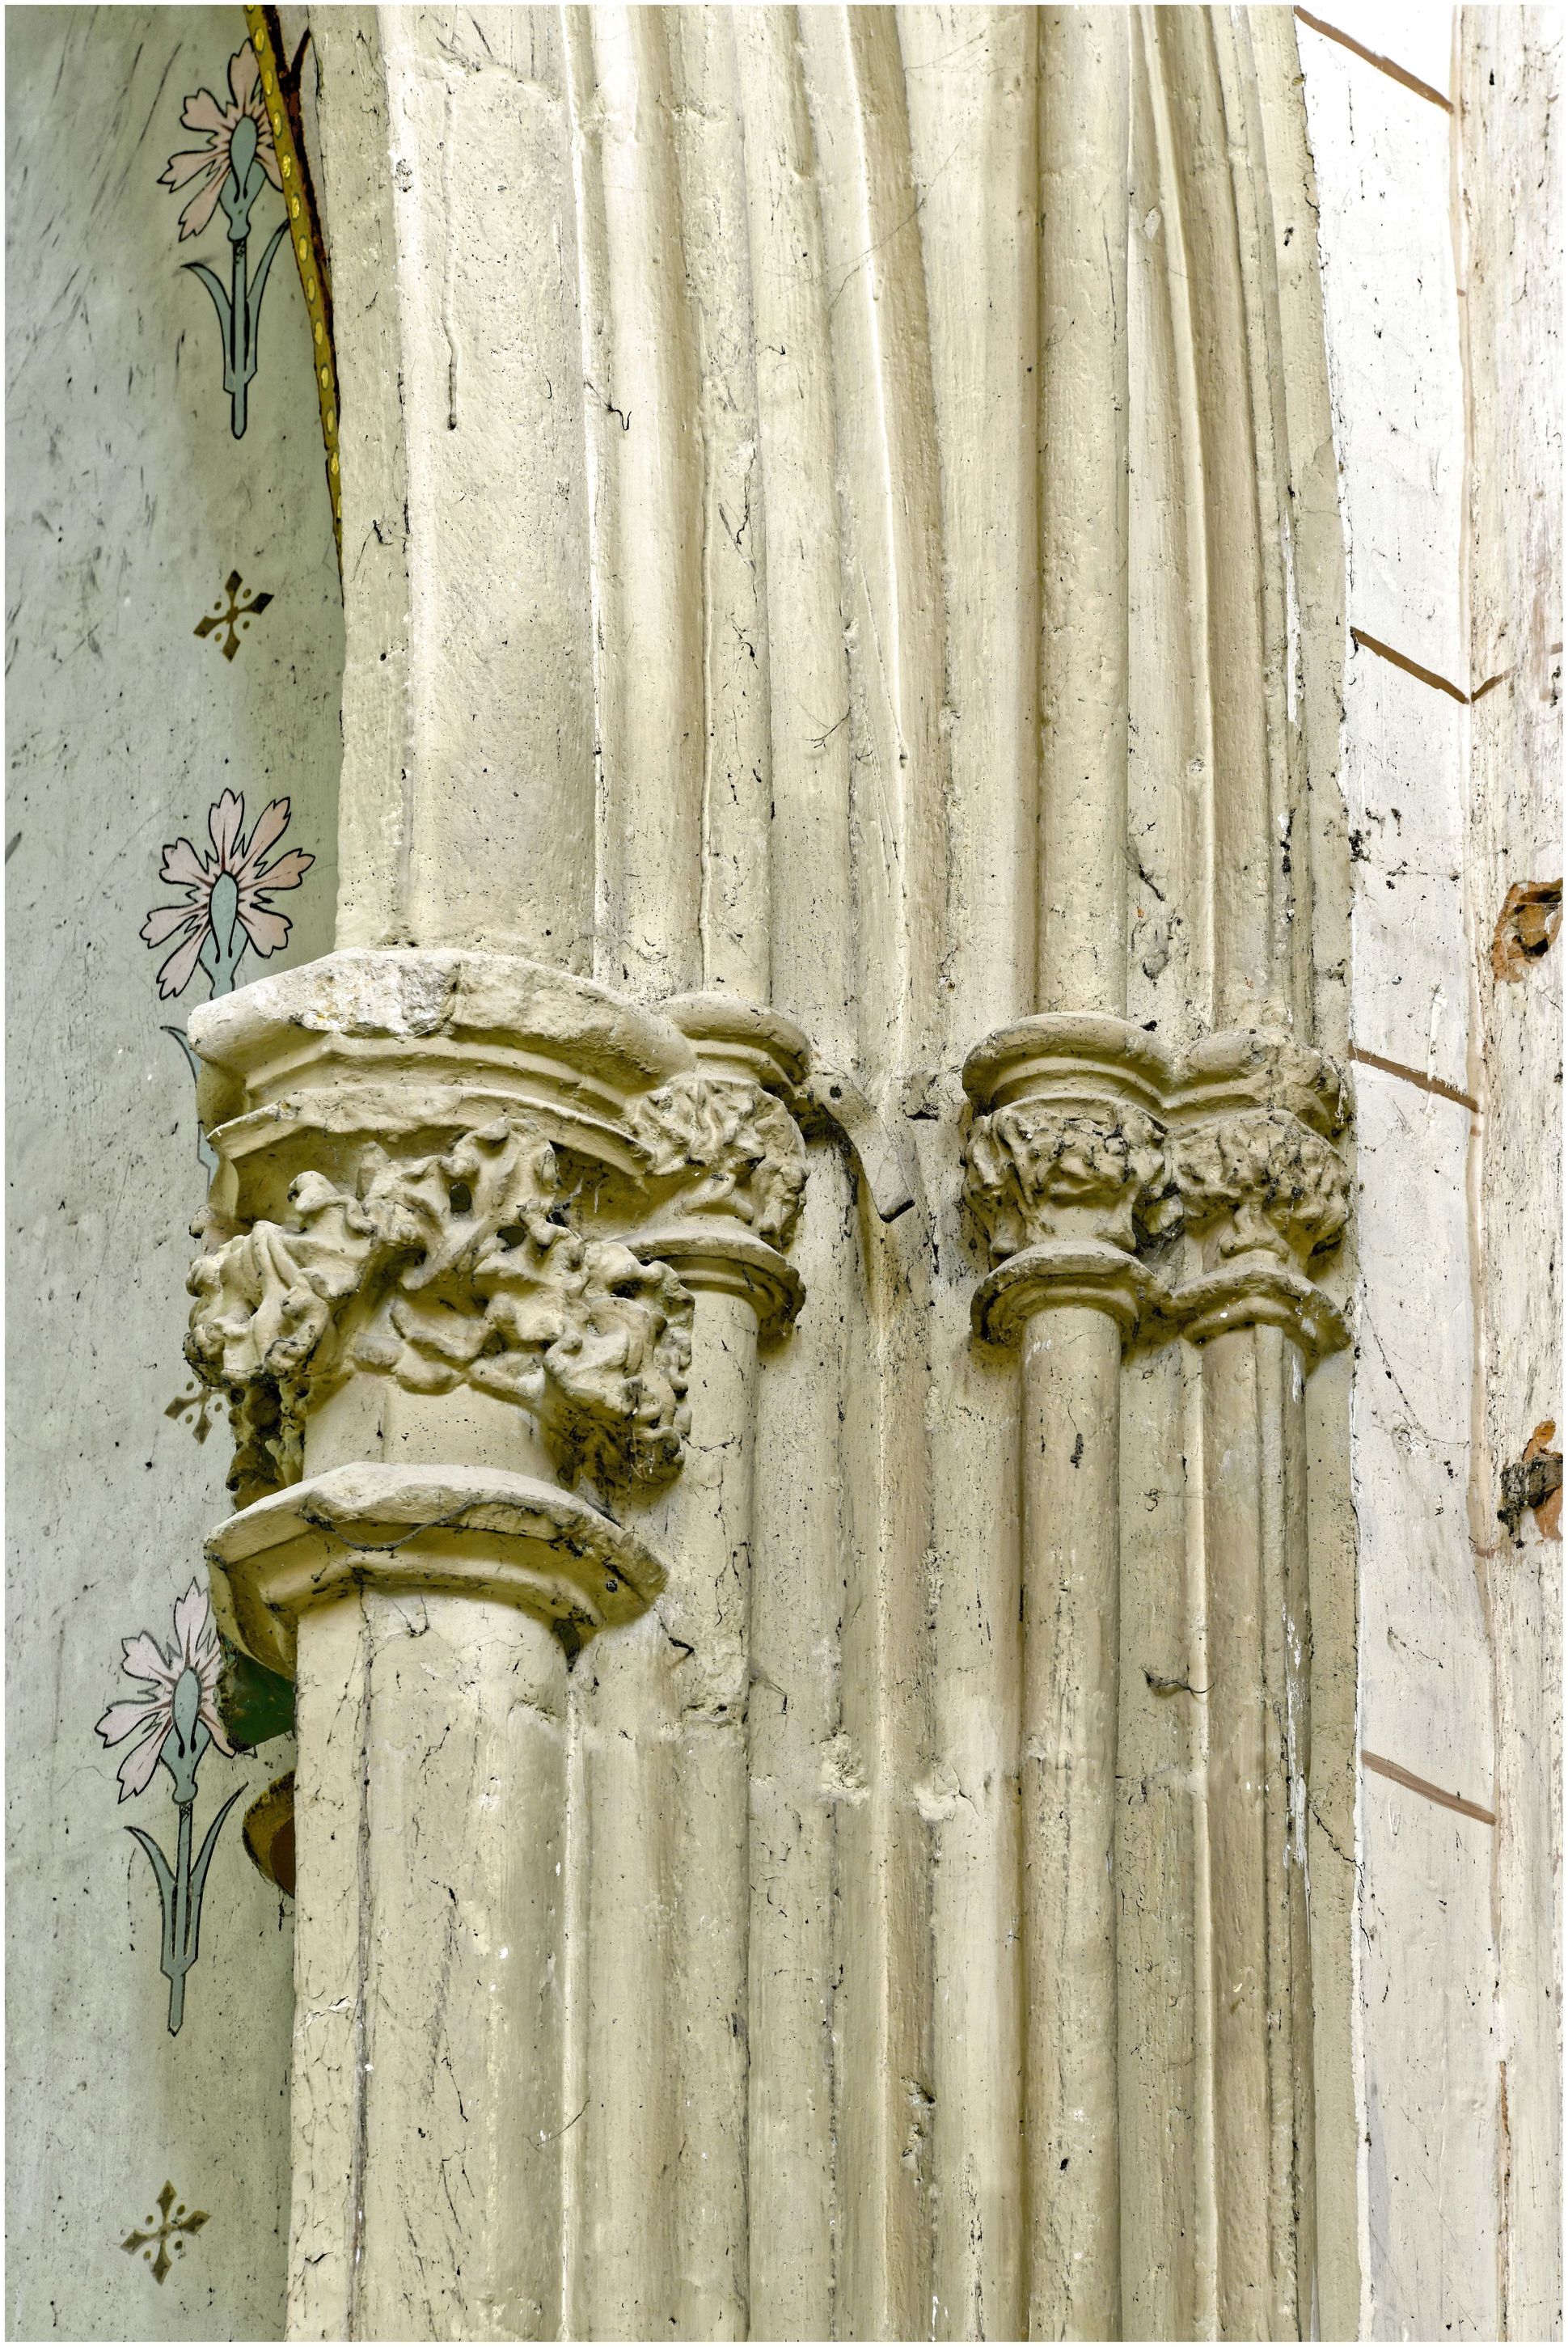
column 1435, row 175
column 129, row 503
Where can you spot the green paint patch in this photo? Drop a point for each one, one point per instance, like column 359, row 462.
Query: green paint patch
column 255, row 1705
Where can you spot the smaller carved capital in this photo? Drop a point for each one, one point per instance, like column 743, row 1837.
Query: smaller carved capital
column 1260, row 1182
column 723, row 1157
column 1092, row 1144
column 730, row 1148
column 1037, row 1171
column 1066, row 1168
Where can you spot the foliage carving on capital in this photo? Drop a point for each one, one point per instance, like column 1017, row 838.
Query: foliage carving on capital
column 1036, row 1171
column 455, row 1268
column 1268, row 1179
column 732, row 1148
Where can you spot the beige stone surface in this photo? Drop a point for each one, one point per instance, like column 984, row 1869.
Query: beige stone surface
column 853, row 1818
column 831, row 1399
column 1433, row 225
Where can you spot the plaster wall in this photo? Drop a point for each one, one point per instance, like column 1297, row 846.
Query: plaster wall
column 129, row 501
column 1459, row 1697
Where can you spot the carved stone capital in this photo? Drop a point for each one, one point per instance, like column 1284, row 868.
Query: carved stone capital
column 457, row 1268
column 1095, row 1147
column 725, row 1155
column 458, row 1177
column 1261, row 1180
column 1036, row 1171
column 1066, row 1168
column 1257, row 1122
column 730, row 1149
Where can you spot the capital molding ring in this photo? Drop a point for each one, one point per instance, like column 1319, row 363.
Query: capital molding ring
column 1259, row 1295
column 1058, row 1275
column 724, row 1259
column 476, row 1532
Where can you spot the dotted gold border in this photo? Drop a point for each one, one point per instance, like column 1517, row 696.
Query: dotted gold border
column 305, row 236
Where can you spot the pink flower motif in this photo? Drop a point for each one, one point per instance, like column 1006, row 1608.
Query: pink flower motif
column 190, row 869
column 151, row 1716
column 208, row 164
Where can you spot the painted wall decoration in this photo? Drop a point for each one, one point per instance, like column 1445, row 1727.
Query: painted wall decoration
column 232, row 618
column 229, row 170
column 227, row 910
column 172, row 2225
column 175, row 1722
column 135, row 746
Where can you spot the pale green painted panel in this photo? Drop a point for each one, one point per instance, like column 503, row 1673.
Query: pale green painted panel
column 129, row 502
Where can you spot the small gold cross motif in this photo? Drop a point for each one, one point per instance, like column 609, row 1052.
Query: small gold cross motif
column 238, row 615
column 176, row 2221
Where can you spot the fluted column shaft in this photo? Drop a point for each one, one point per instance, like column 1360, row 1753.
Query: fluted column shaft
column 1084, row 122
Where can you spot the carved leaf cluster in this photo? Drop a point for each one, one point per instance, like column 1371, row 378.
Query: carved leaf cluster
column 1282, row 1186
column 1032, row 1168
column 458, row 1268
column 732, row 1146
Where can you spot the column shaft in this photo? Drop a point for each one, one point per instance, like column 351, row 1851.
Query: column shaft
column 1071, row 1371
column 707, row 1605
column 795, row 1710
column 426, row 2094
column 1083, row 440
column 625, row 2285
column 1257, row 1643
column 667, row 1827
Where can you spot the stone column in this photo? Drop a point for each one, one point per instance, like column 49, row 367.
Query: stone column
column 1126, row 1193
column 1262, row 1189
column 737, row 1157
column 451, row 1383
column 664, row 1723
column 735, row 599
column 1066, row 1172
column 1063, row 1163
